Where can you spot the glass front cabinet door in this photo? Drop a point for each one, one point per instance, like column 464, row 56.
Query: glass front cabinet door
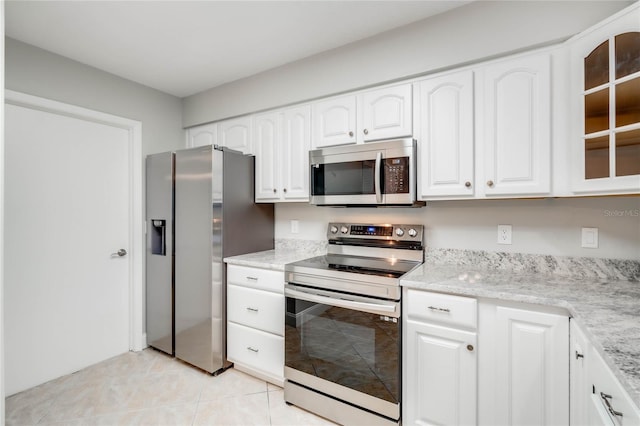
column 606, row 96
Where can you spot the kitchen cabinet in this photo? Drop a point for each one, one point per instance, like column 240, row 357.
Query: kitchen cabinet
column 514, row 120
column 206, row 134
column 597, row 397
column 444, row 108
column 255, row 322
column 282, row 144
column 484, row 131
column 384, row 113
column 440, row 368
column 236, row 134
column 524, row 365
column 579, row 389
column 605, row 140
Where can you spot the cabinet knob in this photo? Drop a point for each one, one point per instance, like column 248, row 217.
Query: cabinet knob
column 366, row 132
column 470, row 348
column 285, row 190
column 579, row 355
column 275, row 190
column 467, row 184
column 490, row 183
column 350, row 134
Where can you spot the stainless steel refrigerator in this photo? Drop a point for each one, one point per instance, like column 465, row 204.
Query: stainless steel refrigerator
column 200, row 209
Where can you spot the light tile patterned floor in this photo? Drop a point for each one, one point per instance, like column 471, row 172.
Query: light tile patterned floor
column 151, row 388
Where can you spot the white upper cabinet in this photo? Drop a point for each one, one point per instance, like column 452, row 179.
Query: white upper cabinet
column 605, row 111
column 236, row 134
column 296, row 142
column 445, row 115
column 384, row 113
column 206, row 134
column 334, row 121
column 267, row 134
column 515, row 117
column 282, row 140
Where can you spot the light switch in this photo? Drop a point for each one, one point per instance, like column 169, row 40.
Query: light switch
column 590, row 237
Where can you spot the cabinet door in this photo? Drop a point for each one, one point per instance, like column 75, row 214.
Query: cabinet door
column 579, row 388
column 256, row 349
column 532, row 376
column 294, row 155
column 605, row 63
column 609, row 402
column 517, row 138
column 334, row 122
column 202, row 135
column 266, row 135
column 387, row 113
column 446, row 129
column 439, row 375
column 236, row 134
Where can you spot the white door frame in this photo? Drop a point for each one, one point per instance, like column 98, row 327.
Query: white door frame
column 136, row 220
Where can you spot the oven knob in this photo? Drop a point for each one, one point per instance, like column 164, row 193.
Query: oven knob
column 334, row 229
column 399, row 232
column 413, row 232
column 344, row 229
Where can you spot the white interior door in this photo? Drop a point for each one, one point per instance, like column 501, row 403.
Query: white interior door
column 67, row 196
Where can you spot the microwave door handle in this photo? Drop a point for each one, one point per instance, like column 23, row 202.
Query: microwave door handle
column 378, row 172
column 341, row 303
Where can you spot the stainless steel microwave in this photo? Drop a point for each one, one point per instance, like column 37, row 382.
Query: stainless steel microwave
column 372, row 174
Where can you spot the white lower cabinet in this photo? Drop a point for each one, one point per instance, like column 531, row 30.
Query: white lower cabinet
column 597, row 397
column 531, row 382
column 470, row 362
column 255, row 321
column 440, row 368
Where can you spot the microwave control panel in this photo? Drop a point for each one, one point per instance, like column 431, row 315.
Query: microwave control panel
column 396, row 175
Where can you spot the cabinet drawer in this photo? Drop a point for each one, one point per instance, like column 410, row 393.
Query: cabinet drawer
column 256, row 349
column 262, row 279
column 441, row 308
column 608, row 395
column 256, row 308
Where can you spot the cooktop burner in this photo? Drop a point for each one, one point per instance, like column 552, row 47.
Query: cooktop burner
column 391, row 268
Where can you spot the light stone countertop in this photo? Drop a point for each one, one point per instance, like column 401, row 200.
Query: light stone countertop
column 269, row 259
column 608, row 310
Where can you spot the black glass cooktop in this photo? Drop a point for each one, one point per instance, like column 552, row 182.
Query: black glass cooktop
column 392, row 268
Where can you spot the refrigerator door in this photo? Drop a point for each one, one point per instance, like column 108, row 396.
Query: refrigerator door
column 159, row 256
column 193, row 265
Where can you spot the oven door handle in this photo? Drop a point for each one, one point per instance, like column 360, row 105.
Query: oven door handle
column 378, row 173
column 376, row 308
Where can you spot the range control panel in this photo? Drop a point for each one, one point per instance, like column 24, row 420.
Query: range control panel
column 370, row 231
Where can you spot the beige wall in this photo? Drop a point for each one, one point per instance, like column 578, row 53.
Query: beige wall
column 470, row 33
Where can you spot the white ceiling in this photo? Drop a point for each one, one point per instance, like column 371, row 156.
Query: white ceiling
column 184, row 47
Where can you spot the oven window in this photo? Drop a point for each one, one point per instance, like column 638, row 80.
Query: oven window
column 350, row 178
column 354, row 349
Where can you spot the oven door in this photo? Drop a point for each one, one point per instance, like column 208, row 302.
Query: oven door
column 344, row 346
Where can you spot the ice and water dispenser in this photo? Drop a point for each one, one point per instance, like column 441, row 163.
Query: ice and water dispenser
column 158, row 237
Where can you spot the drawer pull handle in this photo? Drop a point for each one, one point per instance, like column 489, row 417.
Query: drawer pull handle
column 606, row 399
column 252, row 278
column 433, row 308
column 579, row 355
column 252, row 309
column 249, row 348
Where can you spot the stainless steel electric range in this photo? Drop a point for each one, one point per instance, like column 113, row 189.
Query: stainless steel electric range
column 343, row 323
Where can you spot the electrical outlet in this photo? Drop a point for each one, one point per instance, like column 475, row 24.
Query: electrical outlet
column 295, row 227
column 504, row 234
